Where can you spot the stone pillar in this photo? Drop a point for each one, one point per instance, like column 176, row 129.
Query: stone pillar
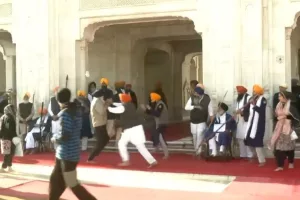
column 288, row 76
column 83, row 67
column 10, row 73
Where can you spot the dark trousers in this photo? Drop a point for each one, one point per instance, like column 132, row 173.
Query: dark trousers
column 102, row 140
column 7, row 160
column 58, row 185
column 155, row 135
column 282, row 155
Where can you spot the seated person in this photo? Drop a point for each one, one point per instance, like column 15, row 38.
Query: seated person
column 220, row 132
column 35, row 134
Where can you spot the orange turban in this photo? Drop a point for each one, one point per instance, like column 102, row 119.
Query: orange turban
column 241, row 89
column 118, row 84
column 258, row 89
column 104, row 81
column 81, row 93
column 155, row 96
column 122, row 83
column 125, row 98
column 44, row 111
column 56, row 89
column 27, row 94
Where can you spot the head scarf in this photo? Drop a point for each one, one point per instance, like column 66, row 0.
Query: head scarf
column 200, row 85
column 199, row 90
column 125, row 98
column 104, row 81
column 223, row 106
column 241, row 89
column 81, row 93
column 122, row 84
column 258, row 89
column 118, row 84
column 158, row 85
column 286, row 95
column 284, row 85
column 155, row 97
column 128, row 86
column 10, row 110
column 44, row 111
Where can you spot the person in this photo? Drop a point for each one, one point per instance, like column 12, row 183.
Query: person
column 282, row 142
column 99, row 119
column 256, row 126
column 113, row 127
column 158, row 90
column 3, row 103
column 282, row 87
column 91, row 89
column 54, row 111
column 7, row 133
column 41, row 127
column 25, row 114
column 86, row 132
column 242, row 114
column 128, row 90
column 220, row 133
column 133, row 131
column 68, row 151
column 201, row 109
column 160, row 113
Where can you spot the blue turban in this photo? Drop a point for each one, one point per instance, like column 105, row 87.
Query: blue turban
column 199, row 90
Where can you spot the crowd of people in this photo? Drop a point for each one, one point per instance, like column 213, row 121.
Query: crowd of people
column 104, row 114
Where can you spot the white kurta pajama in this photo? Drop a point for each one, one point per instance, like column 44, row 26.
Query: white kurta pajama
column 245, row 151
column 134, row 135
column 30, row 142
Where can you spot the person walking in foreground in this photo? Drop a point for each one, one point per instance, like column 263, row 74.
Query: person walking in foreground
column 133, row 130
column 7, row 133
column 68, row 151
column 255, row 131
column 282, row 141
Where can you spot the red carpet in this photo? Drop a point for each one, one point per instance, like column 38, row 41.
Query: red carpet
column 177, row 163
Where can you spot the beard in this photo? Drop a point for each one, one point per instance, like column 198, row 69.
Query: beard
column 240, row 97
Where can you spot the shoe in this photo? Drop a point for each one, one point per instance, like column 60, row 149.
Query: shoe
column 124, row 164
column 2, row 170
column 10, row 170
column 278, row 169
column 153, row 164
column 291, row 166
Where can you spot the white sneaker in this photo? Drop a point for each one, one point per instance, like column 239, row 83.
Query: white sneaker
column 10, row 169
column 291, row 166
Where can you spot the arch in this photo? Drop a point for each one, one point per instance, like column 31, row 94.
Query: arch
column 88, row 33
column 163, row 46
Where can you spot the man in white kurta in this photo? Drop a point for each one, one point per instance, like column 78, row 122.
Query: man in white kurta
column 242, row 114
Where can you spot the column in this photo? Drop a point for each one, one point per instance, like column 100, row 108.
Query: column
column 82, row 71
column 10, row 73
column 288, row 33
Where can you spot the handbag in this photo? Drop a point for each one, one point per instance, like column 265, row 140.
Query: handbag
column 5, row 147
column 294, row 136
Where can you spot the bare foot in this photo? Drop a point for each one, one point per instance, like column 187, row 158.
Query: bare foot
column 278, row 169
column 165, row 157
column 261, row 164
column 153, row 164
column 124, row 164
column 91, row 161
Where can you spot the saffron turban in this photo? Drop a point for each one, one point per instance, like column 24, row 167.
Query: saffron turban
column 104, row 81
column 122, row 83
column 258, row 89
column 199, row 90
column 200, row 85
column 44, row 111
column 125, row 98
column 81, row 93
column 27, row 94
column 241, row 89
column 56, row 89
column 155, row 97
column 119, row 84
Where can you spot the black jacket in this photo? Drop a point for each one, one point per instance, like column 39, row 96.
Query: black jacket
column 7, row 127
